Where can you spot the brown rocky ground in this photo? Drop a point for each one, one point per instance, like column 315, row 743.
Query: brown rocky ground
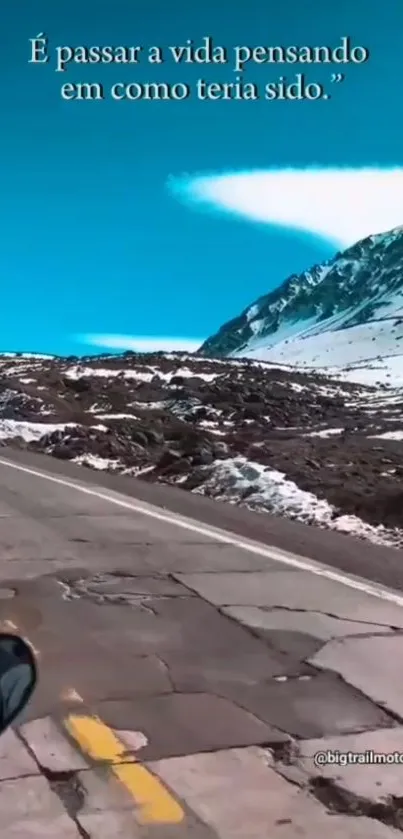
column 223, row 428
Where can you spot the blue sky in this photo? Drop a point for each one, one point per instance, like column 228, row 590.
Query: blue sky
column 93, row 241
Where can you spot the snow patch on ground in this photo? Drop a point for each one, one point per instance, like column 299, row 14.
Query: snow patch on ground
column 325, row 432
column 267, row 490
column 29, row 431
column 103, row 464
column 33, row 356
column 117, row 416
column 78, row 372
column 388, row 435
column 95, row 462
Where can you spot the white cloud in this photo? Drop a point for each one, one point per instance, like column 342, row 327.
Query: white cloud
column 343, row 205
column 142, row 343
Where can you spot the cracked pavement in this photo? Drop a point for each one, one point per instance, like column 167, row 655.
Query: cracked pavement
column 186, row 684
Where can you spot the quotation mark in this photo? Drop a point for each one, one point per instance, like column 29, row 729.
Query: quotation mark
column 336, row 77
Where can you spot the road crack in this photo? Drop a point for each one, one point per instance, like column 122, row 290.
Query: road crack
column 343, row 619
column 344, row 802
column 284, row 759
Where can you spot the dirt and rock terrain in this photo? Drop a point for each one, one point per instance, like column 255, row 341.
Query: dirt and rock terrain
column 311, row 448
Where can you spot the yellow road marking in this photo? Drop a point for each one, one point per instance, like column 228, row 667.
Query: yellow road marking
column 155, row 803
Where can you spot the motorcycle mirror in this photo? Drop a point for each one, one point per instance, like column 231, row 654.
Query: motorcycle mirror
column 18, row 677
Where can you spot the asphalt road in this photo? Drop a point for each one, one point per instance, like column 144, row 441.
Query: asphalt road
column 133, row 613
column 372, row 562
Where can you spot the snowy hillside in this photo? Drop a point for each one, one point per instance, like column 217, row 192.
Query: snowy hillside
column 345, row 315
column 364, row 354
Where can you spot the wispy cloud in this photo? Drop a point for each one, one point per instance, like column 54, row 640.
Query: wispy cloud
column 340, row 204
column 141, row 343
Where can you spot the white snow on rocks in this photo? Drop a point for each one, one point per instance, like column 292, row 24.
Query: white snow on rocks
column 29, row 431
column 261, row 488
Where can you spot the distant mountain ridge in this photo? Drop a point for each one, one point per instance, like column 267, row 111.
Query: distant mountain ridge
column 361, row 286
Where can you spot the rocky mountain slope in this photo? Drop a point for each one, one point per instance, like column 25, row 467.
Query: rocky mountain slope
column 346, row 314
column 304, row 446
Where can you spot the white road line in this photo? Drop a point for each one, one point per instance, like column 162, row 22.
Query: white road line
column 294, row 561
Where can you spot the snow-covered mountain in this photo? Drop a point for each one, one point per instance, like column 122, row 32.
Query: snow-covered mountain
column 346, row 314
